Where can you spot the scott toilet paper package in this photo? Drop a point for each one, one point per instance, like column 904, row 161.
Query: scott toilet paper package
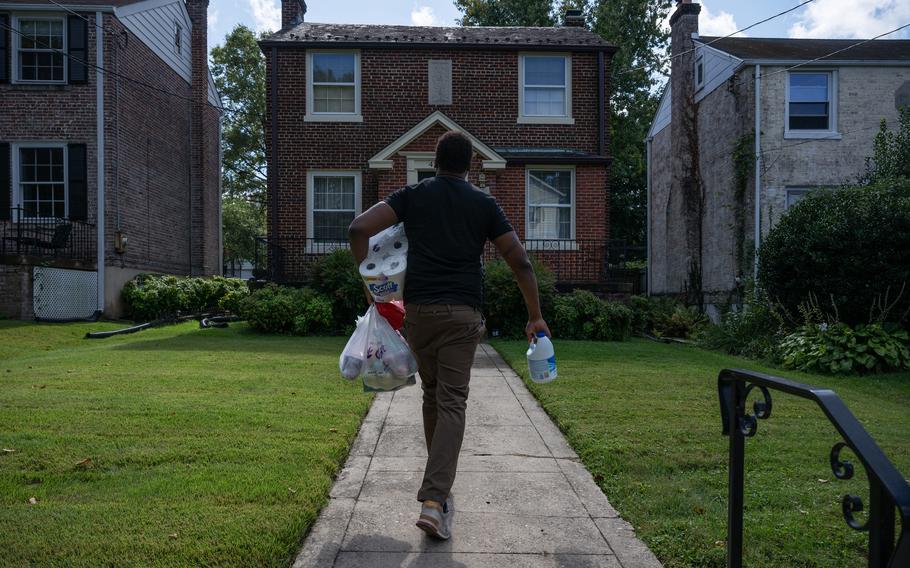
column 384, row 268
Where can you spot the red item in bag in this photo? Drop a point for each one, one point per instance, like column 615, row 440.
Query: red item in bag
column 393, row 312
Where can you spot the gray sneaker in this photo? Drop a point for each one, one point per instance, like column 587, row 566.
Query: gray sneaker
column 436, row 520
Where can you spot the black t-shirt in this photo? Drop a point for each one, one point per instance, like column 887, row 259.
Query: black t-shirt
column 447, row 221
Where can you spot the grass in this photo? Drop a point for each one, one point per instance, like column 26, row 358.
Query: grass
column 172, row 447
column 645, row 419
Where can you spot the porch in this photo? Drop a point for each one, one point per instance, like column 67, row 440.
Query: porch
column 29, row 240
column 601, row 264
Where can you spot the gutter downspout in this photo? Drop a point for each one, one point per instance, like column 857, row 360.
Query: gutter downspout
column 648, row 142
column 601, row 103
column 99, row 154
column 220, row 189
column 757, row 171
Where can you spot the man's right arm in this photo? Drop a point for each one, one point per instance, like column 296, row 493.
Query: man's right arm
column 515, row 255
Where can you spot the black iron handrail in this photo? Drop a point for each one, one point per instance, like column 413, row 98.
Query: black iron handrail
column 888, row 490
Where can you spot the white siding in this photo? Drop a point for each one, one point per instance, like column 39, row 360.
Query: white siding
column 719, row 66
column 152, row 21
column 662, row 117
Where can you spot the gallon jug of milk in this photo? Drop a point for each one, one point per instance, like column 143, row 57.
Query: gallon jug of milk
column 542, row 359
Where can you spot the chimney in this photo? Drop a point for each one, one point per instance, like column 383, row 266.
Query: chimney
column 575, row 19
column 203, row 173
column 292, row 13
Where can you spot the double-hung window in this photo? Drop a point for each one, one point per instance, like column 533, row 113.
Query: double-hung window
column 699, row 71
column 40, row 180
column 545, row 89
column 811, row 104
column 333, row 86
column 550, row 203
column 333, row 202
column 40, row 48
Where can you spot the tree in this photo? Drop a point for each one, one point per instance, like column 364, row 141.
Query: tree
column 506, row 12
column 242, row 221
column 239, row 70
column 636, row 28
column 890, row 152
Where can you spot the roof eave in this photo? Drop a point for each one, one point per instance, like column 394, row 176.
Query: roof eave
column 826, row 62
column 297, row 44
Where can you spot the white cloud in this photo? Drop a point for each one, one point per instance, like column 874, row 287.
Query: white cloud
column 711, row 24
column 720, row 24
column 851, row 19
column 423, row 16
column 212, row 19
column 266, row 14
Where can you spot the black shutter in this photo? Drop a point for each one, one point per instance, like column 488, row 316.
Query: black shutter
column 77, row 185
column 4, row 49
column 6, row 188
column 77, row 44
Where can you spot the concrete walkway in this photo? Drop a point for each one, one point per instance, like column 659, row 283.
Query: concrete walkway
column 522, row 498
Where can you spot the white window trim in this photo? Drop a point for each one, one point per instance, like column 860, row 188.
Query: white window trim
column 17, row 189
column 312, row 116
column 328, row 246
column 829, row 134
column 803, row 189
column 16, row 46
column 530, row 119
column 699, row 60
column 556, row 245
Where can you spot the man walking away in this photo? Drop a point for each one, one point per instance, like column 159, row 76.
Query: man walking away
column 447, row 221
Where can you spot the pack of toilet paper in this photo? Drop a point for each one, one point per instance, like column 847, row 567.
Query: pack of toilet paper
column 383, row 270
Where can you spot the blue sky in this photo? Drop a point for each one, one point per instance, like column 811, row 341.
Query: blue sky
column 820, row 18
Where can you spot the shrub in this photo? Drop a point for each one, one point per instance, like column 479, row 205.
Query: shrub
column 665, row 317
column 315, row 313
column 336, row 276
column 582, row 315
column 849, row 248
column 838, row 348
column 281, row 309
column 750, row 332
column 150, row 296
column 504, row 306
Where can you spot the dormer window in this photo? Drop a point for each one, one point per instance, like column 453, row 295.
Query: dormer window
column 178, row 38
column 333, row 86
column 699, row 71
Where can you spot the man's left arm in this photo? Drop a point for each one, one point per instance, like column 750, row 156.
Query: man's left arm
column 373, row 220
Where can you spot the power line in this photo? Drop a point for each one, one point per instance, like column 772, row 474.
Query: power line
column 114, row 73
column 78, row 15
column 715, row 40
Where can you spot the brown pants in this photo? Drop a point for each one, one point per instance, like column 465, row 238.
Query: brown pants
column 444, row 339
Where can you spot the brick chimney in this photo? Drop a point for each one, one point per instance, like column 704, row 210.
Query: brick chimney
column 575, row 19
column 685, row 182
column 292, row 13
column 204, row 183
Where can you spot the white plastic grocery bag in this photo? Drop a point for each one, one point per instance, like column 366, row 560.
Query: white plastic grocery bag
column 378, row 354
column 354, row 356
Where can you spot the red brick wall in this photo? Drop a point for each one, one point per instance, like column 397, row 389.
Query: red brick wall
column 394, row 99
column 147, row 158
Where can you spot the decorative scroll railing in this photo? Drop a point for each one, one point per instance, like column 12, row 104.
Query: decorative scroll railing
column 889, row 493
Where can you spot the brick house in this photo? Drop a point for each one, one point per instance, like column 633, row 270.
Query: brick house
column 354, row 112
column 109, row 140
column 820, row 103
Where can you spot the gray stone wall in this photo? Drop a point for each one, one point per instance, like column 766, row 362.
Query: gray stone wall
column 865, row 96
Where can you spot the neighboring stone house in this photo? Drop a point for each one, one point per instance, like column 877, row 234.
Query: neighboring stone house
column 820, row 105
column 104, row 102
column 354, row 112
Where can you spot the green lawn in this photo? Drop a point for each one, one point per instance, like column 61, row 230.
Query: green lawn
column 645, row 419
column 171, row 447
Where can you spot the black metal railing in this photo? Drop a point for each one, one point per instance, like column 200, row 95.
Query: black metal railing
column 47, row 237
column 888, row 489
column 576, row 261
